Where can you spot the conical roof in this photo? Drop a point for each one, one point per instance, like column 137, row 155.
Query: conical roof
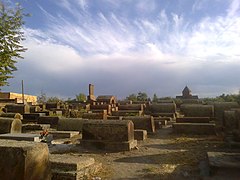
column 186, row 90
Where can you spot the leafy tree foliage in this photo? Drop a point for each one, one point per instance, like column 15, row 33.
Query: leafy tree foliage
column 54, row 99
column 43, row 98
column 141, row 96
column 224, row 98
column 132, row 97
column 81, row 97
column 155, row 98
column 11, row 36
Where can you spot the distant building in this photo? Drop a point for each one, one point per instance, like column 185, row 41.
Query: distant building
column 107, row 99
column 18, row 97
column 91, row 98
column 186, row 94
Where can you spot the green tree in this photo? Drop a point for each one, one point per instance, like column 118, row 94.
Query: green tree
column 81, row 97
column 42, row 98
column 142, row 96
column 11, row 36
column 54, row 99
column 132, row 97
column 155, row 98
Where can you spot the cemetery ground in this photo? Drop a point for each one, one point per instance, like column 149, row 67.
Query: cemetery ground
column 163, row 155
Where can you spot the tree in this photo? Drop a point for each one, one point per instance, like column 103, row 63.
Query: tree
column 54, row 99
column 132, row 97
column 11, row 36
column 142, row 96
column 81, row 97
column 42, row 98
column 155, row 98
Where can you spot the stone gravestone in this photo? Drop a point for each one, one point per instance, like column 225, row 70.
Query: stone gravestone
column 22, row 160
column 10, row 125
column 114, row 135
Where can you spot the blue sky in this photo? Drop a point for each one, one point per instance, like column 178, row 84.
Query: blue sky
column 127, row 46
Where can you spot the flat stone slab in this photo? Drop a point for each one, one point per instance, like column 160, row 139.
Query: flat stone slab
column 21, row 137
column 193, row 120
column 63, row 134
column 224, row 160
column 67, row 162
column 33, row 127
column 65, row 166
column 24, row 160
column 109, row 145
column 140, row 134
column 194, row 128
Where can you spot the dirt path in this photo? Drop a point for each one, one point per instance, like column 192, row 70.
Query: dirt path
column 162, row 156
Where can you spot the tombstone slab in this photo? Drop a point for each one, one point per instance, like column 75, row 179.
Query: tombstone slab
column 223, row 163
column 21, row 137
column 140, row 134
column 10, row 125
column 194, row 128
column 142, row 122
column 66, row 166
column 114, row 135
column 24, row 160
column 193, row 120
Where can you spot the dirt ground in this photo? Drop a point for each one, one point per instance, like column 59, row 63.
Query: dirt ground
column 163, row 155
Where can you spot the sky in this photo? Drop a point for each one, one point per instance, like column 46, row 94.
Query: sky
column 128, row 46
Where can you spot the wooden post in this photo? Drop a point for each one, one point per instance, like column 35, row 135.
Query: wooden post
column 22, row 93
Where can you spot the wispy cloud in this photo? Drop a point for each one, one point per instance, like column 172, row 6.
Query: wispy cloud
column 114, row 51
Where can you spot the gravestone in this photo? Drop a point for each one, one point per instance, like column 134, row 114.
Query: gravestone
column 10, row 125
column 194, row 128
column 142, row 122
column 23, row 160
column 114, row 135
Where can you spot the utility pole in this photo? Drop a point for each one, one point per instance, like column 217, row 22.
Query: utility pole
column 22, row 93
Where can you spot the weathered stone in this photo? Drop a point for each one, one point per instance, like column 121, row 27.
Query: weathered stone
column 31, row 117
column 70, row 167
column 163, row 118
column 170, row 115
column 140, row 134
column 113, row 117
column 197, row 110
column 52, row 105
column 24, row 160
column 18, row 108
column 230, row 121
column 220, row 107
column 114, row 135
column 52, row 120
column 136, row 107
column 10, row 125
column 12, row 115
column 100, row 115
column 237, row 114
column 157, row 125
column 194, row 128
column 21, row 137
column 142, row 122
column 162, row 108
column 127, row 113
column 102, row 107
column 63, row 134
column 193, row 120
column 34, row 127
column 224, row 163
column 35, row 109
column 70, row 124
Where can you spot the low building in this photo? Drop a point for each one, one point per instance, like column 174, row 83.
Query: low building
column 18, row 97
